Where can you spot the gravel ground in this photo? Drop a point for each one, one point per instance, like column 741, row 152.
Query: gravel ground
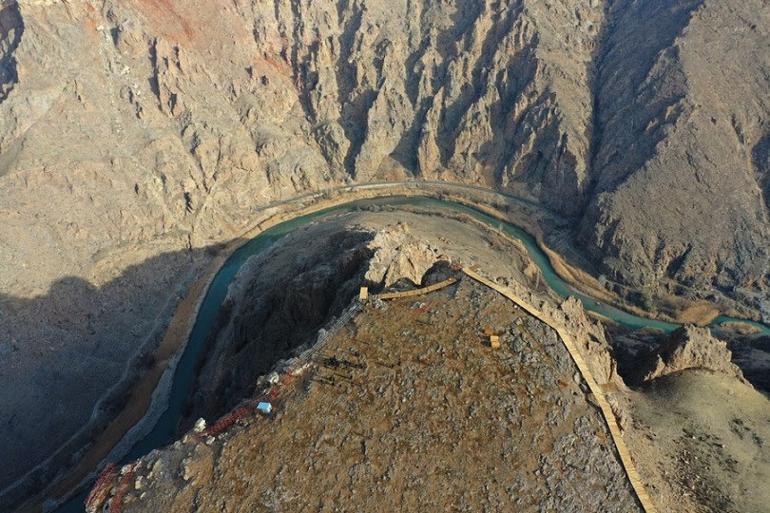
column 702, row 443
column 406, row 408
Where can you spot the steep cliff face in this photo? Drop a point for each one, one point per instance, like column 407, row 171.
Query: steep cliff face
column 679, row 174
column 647, row 122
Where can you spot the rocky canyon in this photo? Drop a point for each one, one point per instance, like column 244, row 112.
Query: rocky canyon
column 139, row 137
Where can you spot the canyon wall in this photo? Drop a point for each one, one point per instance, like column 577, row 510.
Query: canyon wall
column 142, row 122
column 135, row 129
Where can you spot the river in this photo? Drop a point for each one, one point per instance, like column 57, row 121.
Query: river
column 164, row 432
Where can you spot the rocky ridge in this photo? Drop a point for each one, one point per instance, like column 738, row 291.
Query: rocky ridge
column 398, row 255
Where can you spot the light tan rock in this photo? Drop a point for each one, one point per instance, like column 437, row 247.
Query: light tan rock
column 197, row 468
column 399, row 255
column 692, row 347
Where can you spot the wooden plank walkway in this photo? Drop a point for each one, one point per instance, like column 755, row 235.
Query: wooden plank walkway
column 418, row 292
column 601, row 400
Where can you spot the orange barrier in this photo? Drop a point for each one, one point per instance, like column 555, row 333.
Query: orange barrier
column 228, row 420
column 126, row 481
column 101, row 488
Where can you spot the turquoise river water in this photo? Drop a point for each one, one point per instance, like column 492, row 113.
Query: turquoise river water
column 165, row 430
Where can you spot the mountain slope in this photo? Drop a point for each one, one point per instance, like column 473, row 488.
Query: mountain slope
column 171, row 120
column 677, row 192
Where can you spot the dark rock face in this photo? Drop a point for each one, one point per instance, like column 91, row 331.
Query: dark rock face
column 11, row 28
column 277, row 304
column 752, row 354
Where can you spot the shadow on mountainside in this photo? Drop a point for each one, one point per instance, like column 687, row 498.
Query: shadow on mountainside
column 11, row 29
column 61, row 352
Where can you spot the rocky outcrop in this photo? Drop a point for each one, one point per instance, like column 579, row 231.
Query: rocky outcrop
column 592, row 338
column 399, row 255
column 690, row 347
column 589, row 334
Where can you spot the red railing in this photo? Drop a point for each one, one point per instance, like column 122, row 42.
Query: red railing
column 101, row 488
column 228, row 420
column 123, row 486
